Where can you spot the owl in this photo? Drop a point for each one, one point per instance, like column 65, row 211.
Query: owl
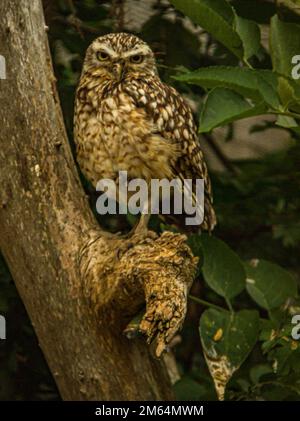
column 127, row 119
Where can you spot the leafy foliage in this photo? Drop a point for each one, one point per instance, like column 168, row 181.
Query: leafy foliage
column 260, row 87
column 224, row 106
column 227, row 340
column 222, row 268
column 269, row 285
column 217, row 17
column 255, row 209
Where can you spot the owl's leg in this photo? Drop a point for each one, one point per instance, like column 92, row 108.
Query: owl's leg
column 139, row 232
column 141, row 229
column 142, row 226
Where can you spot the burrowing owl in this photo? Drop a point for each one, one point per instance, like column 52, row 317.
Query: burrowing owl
column 127, row 119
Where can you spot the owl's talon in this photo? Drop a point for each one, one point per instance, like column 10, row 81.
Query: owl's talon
column 122, row 249
column 144, row 234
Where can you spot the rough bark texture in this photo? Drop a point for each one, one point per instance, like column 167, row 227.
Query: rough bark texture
column 79, row 293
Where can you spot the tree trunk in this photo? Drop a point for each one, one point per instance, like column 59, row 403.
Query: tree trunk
column 56, row 253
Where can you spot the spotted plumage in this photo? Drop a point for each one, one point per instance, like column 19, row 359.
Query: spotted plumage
column 127, row 119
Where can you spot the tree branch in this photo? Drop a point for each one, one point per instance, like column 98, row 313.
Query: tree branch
column 79, row 293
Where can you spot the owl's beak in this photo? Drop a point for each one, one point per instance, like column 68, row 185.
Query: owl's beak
column 118, row 71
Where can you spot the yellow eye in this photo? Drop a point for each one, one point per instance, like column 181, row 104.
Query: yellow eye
column 138, row 58
column 102, row 56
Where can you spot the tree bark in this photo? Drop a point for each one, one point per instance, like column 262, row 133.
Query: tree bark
column 78, row 294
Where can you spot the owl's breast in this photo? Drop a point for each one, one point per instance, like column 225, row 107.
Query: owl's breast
column 126, row 133
column 118, row 136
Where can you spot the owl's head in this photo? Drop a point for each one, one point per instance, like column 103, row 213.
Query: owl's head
column 117, row 55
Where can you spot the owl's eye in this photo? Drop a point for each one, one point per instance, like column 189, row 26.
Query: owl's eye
column 102, row 56
column 137, row 58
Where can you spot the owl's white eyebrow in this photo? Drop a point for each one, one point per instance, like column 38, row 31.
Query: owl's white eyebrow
column 139, row 50
column 107, row 50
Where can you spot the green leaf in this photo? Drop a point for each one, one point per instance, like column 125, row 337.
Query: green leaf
column 284, row 45
column 289, row 93
column 255, row 84
column 227, row 339
column 223, row 106
column 286, row 92
column 258, row 371
column 249, row 33
column 286, row 122
column 267, row 86
column 187, row 389
column 238, row 79
column 216, row 17
column 268, row 284
column 280, row 357
column 222, row 268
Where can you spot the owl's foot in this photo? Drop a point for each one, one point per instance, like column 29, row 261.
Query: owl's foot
column 138, row 234
column 123, row 248
column 141, row 232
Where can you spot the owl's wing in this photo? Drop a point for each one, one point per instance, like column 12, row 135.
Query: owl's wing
column 173, row 120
